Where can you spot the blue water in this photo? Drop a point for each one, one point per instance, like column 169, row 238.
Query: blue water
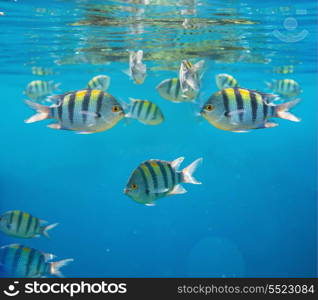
column 255, row 215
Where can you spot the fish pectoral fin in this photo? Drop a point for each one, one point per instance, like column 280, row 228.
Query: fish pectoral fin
column 158, row 191
column 92, row 114
column 55, row 126
column 234, row 113
column 178, row 189
column 270, row 125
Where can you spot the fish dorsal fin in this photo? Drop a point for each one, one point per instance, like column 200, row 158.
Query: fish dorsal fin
column 198, row 67
column 177, row 162
column 178, row 189
column 48, row 256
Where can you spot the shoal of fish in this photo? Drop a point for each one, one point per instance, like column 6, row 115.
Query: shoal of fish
column 92, row 109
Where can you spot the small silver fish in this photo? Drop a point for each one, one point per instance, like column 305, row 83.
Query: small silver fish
column 190, row 76
column 137, row 69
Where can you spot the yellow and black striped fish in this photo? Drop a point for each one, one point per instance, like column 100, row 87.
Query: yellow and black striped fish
column 41, row 71
column 38, row 89
column 239, row 110
column 288, row 69
column 99, row 82
column 20, row 224
column 20, row 261
column 285, row 87
column 154, row 179
column 170, row 89
column 84, row 111
column 224, row 81
column 145, row 112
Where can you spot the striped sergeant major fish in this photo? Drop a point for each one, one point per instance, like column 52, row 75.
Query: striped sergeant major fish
column 21, row 224
column 145, row 112
column 284, row 69
column 170, row 89
column 21, row 261
column 84, row 111
column 137, row 69
column 224, row 81
column 190, row 76
column 99, row 82
column 239, row 110
column 285, row 87
column 41, row 71
column 38, row 89
column 154, row 179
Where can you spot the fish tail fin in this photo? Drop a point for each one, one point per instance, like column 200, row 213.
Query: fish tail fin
column 43, row 112
column 187, row 173
column 198, row 67
column 268, row 84
column 139, row 56
column 127, row 72
column 45, row 229
column 57, row 86
column 282, row 111
column 127, row 107
column 57, row 265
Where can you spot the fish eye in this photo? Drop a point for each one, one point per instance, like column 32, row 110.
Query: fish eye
column 209, row 107
column 134, row 186
column 115, row 108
